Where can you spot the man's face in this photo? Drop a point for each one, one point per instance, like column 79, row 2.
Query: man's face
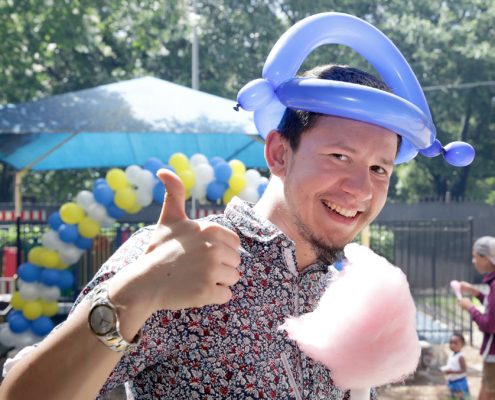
column 481, row 263
column 336, row 182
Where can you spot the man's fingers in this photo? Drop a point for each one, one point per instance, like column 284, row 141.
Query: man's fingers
column 229, row 276
column 223, row 294
column 225, row 235
column 174, row 205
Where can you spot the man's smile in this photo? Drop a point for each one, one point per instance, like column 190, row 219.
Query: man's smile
column 340, row 210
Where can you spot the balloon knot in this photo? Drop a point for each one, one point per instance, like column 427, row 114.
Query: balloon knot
column 236, row 108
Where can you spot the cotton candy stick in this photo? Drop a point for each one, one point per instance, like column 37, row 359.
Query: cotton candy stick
column 456, row 287
column 363, row 329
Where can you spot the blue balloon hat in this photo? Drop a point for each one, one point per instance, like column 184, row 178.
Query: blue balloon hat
column 406, row 113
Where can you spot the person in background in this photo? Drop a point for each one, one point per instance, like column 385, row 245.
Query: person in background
column 456, row 369
column 484, row 262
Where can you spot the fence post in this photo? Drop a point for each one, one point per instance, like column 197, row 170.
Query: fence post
column 471, row 276
column 434, row 265
column 18, row 242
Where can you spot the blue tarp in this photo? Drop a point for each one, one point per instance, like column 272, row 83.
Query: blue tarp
column 125, row 123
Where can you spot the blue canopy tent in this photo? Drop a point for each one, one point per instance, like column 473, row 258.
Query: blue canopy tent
column 124, row 123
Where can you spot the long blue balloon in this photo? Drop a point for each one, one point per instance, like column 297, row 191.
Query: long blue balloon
column 300, row 40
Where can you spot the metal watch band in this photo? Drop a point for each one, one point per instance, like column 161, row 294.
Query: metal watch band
column 113, row 339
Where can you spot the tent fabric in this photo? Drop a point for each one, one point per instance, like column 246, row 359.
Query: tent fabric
column 125, row 123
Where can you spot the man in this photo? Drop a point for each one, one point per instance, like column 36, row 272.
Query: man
column 234, row 278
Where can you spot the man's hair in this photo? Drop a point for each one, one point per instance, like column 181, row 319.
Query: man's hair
column 295, row 122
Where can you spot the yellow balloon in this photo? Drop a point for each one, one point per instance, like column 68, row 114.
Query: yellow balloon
column 50, row 259
column 117, row 179
column 187, row 178
column 35, row 255
column 49, row 309
column 238, row 167
column 71, row 213
column 237, row 182
column 124, row 198
column 135, row 208
column 32, row 310
column 62, row 266
column 188, row 194
column 88, row 228
column 179, row 161
column 227, row 196
column 17, row 302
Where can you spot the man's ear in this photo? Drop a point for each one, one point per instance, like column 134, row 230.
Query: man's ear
column 276, row 153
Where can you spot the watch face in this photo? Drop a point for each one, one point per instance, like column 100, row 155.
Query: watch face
column 102, row 320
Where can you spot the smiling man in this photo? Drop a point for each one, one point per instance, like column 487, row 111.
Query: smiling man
column 196, row 304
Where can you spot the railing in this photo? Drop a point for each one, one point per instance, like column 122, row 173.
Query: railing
column 7, row 286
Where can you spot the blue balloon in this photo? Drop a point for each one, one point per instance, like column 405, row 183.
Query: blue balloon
column 114, row 211
column 255, row 95
column 153, row 164
column 99, row 181
column 29, row 272
column 66, row 280
column 215, row 160
column 223, row 172
column 18, row 324
column 68, row 233
column 42, row 326
column 50, row 276
column 459, row 154
column 262, row 187
column 215, row 190
column 159, row 192
column 170, row 168
column 55, row 221
column 103, row 194
column 339, row 265
column 14, row 313
column 434, row 150
column 84, row 243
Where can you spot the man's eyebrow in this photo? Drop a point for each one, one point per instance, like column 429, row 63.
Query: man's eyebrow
column 343, row 146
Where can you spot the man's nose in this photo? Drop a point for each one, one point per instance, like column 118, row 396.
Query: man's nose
column 358, row 184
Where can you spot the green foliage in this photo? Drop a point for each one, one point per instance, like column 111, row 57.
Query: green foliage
column 49, row 47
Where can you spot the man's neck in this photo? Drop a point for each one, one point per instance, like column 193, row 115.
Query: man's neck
column 274, row 208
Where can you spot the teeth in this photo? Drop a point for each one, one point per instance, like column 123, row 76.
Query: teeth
column 341, row 210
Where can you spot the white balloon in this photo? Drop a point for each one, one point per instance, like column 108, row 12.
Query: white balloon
column 197, row 159
column 70, row 254
column 97, row 212
column 253, row 178
column 51, row 240
column 108, row 222
column 145, row 180
column 264, row 180
column 20, row 282
column 27, row 338
column 144, row 196
column 198, row 191
column 204, row 173
column 85, row 199
column 132, row 174
column 29, row 291
column 7, row 337
column 49, row 293
column 249, row 194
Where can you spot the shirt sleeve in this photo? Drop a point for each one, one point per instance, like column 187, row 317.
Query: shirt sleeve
column 481, row 297
column 486, row 321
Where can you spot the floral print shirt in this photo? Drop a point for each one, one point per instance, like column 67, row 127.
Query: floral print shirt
column 234, row 350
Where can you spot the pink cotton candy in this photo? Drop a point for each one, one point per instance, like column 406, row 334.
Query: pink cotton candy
column 363, row 328
column 456, row 287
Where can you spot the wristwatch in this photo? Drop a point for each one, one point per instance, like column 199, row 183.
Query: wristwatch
column 104, row 323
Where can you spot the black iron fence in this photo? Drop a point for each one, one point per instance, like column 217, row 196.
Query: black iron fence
column 431, row 254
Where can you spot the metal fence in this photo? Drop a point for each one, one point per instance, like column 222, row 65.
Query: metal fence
column 431, row 254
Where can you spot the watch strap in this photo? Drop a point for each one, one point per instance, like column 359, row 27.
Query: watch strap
column 112, row 339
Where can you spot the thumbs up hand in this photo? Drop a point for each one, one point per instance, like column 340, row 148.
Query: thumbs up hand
column 187, row 263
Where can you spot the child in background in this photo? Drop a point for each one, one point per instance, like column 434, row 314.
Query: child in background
column 456, row 369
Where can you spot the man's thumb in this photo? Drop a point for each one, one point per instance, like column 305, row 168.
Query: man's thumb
column 174, row 205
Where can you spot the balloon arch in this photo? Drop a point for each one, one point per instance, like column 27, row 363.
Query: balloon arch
column 73, row 228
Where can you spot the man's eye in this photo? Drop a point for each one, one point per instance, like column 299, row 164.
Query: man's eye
column 340, row 157
column 378, row 170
